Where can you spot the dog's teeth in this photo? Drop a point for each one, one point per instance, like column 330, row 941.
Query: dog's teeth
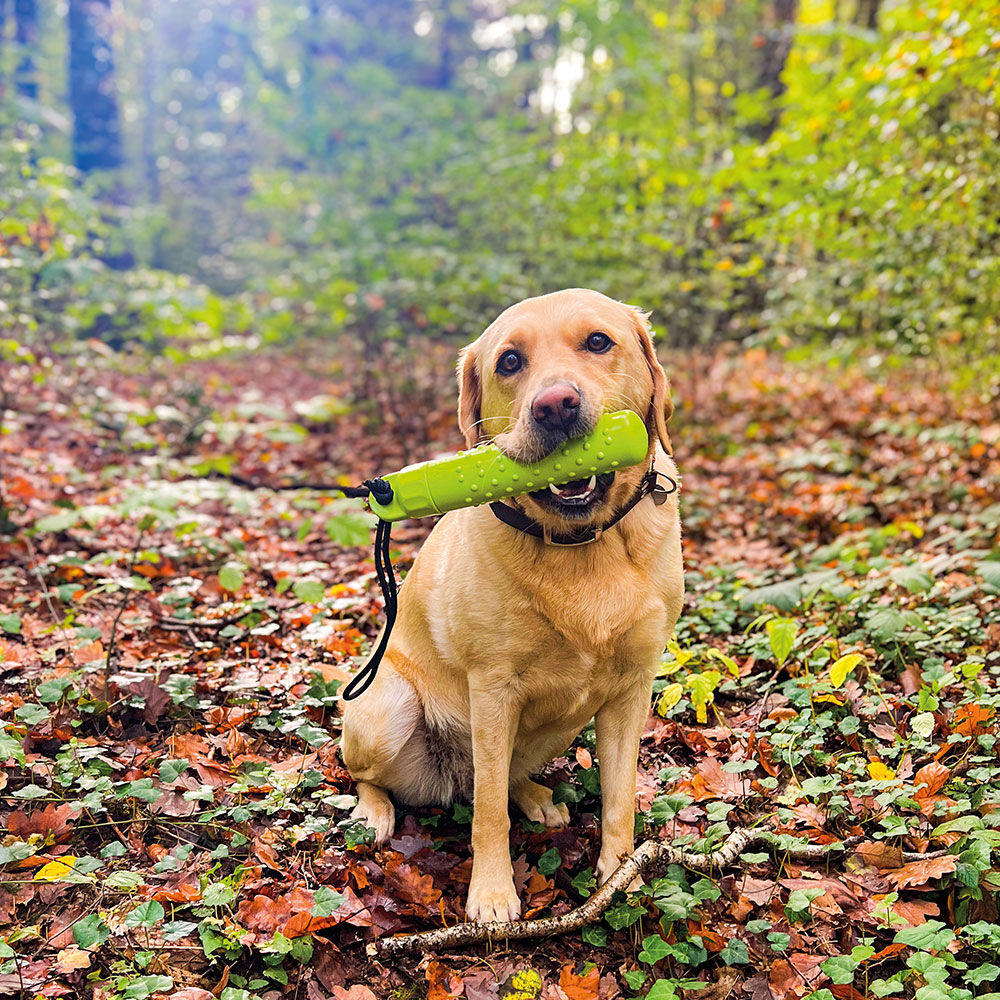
column 554, row 488
column 592, row 484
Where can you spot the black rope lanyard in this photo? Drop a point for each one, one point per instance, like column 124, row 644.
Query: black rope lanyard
column 359, row 684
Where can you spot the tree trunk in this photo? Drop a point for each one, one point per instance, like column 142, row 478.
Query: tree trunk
column 26, row 12
column 315, row 137
column 150, row 118
column 867, row 14
column 3, row 36
column 96, row 131
column 777, row 38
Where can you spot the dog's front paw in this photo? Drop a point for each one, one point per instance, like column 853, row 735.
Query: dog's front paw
column 375, row 810
column 491, row 901
column 608, row 863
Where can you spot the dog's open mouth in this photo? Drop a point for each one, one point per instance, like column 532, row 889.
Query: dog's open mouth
column 575, row 499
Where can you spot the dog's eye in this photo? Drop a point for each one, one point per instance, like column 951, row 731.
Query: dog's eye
column 509, row 363
column 598, row 343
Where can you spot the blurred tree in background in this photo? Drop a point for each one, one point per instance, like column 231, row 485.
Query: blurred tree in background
column 400, row 170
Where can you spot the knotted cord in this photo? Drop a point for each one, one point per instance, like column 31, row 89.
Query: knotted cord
column 359, row 684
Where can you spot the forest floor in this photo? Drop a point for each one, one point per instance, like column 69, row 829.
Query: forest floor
column 174, row 808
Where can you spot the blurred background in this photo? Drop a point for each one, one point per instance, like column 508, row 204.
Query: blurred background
column 194, row 177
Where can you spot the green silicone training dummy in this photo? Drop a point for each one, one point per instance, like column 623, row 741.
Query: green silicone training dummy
column 484, row 474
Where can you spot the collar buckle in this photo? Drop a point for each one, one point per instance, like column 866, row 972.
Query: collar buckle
column 547, row 538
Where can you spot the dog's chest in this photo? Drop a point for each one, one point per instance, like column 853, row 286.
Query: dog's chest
column 593, row 611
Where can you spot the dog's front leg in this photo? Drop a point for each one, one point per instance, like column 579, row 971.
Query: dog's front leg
column 618, row 726
column 494, row 723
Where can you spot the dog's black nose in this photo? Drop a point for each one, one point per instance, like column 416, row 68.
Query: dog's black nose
column 556, row 407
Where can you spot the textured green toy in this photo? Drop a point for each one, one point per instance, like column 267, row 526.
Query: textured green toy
column 485, row 473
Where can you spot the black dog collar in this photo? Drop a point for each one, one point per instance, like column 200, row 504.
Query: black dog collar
column 516, row 517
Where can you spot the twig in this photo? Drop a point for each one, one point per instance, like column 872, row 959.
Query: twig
column 649, row 860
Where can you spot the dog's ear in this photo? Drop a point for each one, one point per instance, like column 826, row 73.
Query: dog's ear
column 661, row 407
column 470, row 396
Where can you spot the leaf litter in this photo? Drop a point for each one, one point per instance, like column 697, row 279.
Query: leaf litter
column 175, row 811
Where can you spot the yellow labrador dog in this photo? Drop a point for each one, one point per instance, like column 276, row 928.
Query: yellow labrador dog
column 509, row 640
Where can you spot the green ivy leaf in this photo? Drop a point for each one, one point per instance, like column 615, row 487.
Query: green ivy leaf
column 146, row 914
column 665, row 807
column 584, row 882
column 309, row 591
column 983, row 974
column 885, row 624
column 32, row 715
column 171, row 770
column 326, row 902
column 218, row 894
column 930, row 936
column 784, row 596
column 654, row 949
column 11, row 624
column 662, row 989
column 231, row 577
column 989, row 570
column 781, row 633
column 146, row 986
column 90, row 931
column 350, row 530
column 840, row 969
column 123, row 881
column 735, row 953
column 550, row 861
column 913, row 579
column 59, row 521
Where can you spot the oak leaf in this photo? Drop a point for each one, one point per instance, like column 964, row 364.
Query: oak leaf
column 921, row 872
column 710, row 781
column 973, row 719
column 930, row 779
column 355, row 992
column 796, row 975
column 439, row 985
column 916, row 912
column 879, row 854
column 410, row 885
column 264, row 914
column 579, row 987
column 52, row 821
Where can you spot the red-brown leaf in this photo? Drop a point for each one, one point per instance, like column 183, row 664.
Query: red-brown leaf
column 921, row 872
column 579, row 987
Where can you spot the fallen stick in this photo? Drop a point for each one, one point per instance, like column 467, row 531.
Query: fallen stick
column 651, row 859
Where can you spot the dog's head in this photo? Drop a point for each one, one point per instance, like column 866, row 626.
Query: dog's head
column 544, row 371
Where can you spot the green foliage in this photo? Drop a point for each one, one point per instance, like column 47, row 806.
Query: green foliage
column 444, row 175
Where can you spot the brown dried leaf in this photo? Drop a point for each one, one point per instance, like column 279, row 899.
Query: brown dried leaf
column 70, row 959
column 355, row 992
column 52, row 821
column 879, row 854
column 579, row 987
column 930, row 779
column 921, row 872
